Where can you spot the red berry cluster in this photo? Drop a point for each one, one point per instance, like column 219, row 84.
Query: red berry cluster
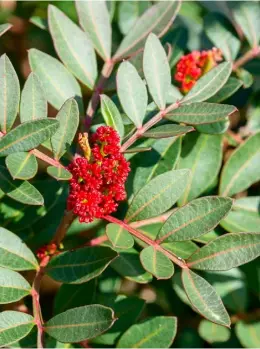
column 98, row 183
column 192, row 66
column 47, row 250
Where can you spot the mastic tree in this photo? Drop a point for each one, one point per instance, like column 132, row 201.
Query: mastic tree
column 129, row 163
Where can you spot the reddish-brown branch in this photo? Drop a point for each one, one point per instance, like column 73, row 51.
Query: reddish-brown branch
column 65, row 223
column 153, row 121
column 97, row 241
column 254, row 52
column 94, row 102
column 159, row 219
column 36, row 302
column 180, row 262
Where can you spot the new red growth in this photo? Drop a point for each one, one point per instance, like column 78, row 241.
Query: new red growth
column 98, row 179
column 195, row 64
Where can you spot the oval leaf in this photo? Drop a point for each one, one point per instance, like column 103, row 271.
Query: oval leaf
column 80, row 265
column 156, row 20
column 156, row 332
column 165, row 131
column 22, row 165
column 73, row 46
column 49, row 70
column 156, row 263
column 242, row 168
column 9, row 94
column 128, row 266
column 78, row 324
column 94, row 19
column 216, row 128
column 201, row 113
column 68, row 118
column 158, row 195
column 209, row 84
column 248, row 334
column 14, row 326
column 204, row 298
column 213, row 333
column 119, row 237
column 111, row 115
column 13, row 286
column 132, row 93
column 23, row 192
column 14, row 254
column 33, row 102
column 28, row 136
column 196, row 218
column 226, row 252
column 156, row 70
column 59, row 173
column 247, row 16
column 230, row 87
column 203, row 155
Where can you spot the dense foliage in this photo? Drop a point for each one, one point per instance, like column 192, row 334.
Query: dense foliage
column 129, row 174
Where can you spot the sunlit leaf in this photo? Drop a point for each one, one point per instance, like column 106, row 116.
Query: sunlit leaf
column 119, row 237
column 156, row 263
column 22, row 165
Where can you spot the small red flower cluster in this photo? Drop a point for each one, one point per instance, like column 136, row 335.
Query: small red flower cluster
column 98, row 183
column 192, row 66
column 47, row 250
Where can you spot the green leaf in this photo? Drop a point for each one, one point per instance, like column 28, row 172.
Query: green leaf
column 50, row 71
column 94, row 19
column 73, row 46
column 231, row 286
column 23, row 192
column 119, row 237
column 169, row 130
column 242, row 168
column 244, row 216
column 22, row 165
column 13, row 286
column 28, row 136
column 163, row 157
column 248, row 334
column 203, row 155
column 156, row 263
column 14, row 326
column 132, row 93
column 156, row 332
column 72, row 296
column 247, row 16
column 128, row 266
column 33, row 102
column 196, row 218
column 112, row 115
column 182, row 249
column 127, row 310
column 14, row 254
column 155, row 20
column 158, row 195
column 68, row 118
column 4, row 28
column 247, row 79
column 230, row 87
column 213, row 333
column 204, row 298
column 226, row 252
column 156, row 70
column 78, row 324
column 201, row 113
column 9, row 94
column 209, row 84
column 40, row 22
column 216, row 128
column 129, row 12
column 59, row 173
column 80, row 265
column 222, row 35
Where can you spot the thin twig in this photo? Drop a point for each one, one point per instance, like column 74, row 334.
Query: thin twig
column 254, row 52
column 94, row 102
column 180, row 262
column 159, row 219
column 64, row 225
column 153, row 121
column 36, row 302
